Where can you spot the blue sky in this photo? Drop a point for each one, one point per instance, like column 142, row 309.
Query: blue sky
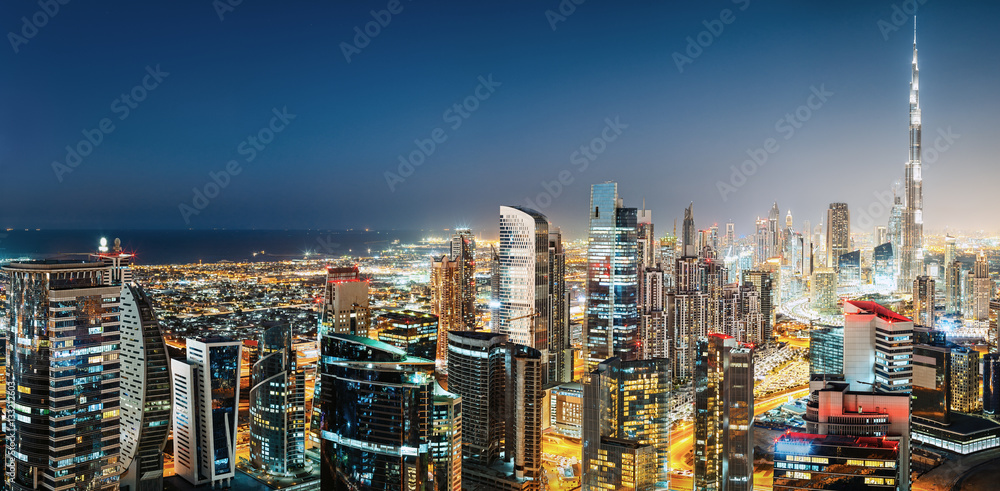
column 555, row 90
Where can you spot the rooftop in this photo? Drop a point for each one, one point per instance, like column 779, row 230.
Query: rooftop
column 838, row 440
column 868, row 307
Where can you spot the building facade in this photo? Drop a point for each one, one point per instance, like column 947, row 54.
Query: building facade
column 277, row 405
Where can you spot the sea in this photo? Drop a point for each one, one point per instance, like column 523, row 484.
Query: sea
column 157, row 247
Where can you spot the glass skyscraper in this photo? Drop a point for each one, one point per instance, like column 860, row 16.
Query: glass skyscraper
column 63, row 376
column 612, row 320
column 277, row 405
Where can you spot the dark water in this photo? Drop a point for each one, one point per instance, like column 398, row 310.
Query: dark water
column 188, row 246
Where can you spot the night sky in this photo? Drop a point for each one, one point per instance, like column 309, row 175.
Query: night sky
column 347, row 123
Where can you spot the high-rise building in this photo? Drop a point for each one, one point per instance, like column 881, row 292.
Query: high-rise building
column 377, row 416
column 823, row 291
column 838, row 232
column 463, row 251
column 982, row 288
column 62, row 376
column 668, row 260
column 730, row 239
column 878, row 348
column 932, row 372
column 688, row 245
column 911, row 252
column 764, row 282
column 965, row 380
column 453, row 291
column 991, row 383
column 524, row 277
column 653, row 332
column 277, row 405
column 883, row 275
column 206, row 404
column 145, row 393
column 411, row 331
column 833, row 409
column 953, row 287
column 345, row 310
column 849, row 268
column 894, row 235
column 826, row 351
column 612, row 313
column 500, row 384
column 560, row 347
column 689, row 322
column 723, row 415
column 881, row 234
column 923, row 301
column 949, row 249
column 806, row 461
column 645, row 239
column 626, row 416
column 446, row 440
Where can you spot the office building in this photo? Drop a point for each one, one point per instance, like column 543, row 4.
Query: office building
column 446, row 440
column 982, row 288
column 566, row 409
column 953, row 287
column 377, row 416
column 626, row 416
column 823, row 292
column 826, row 351
column 838, row 232
column 723, row 415
column 206, row 403
column 63, row 378
column 612, row 311
column 806, row 461
column 688, row 245
column 923, row 301
column 878, row 348
column 560, row 347
column 524, row 307
column 500, row 384
column 911, row 249
column 883, row 274
column 965, row 380
column 446, row 303
column 834, row 409
column 765, row 283
column 411, row 331
column 145, row 393
column 849, row 268
column 277, row 405
column 932, row 373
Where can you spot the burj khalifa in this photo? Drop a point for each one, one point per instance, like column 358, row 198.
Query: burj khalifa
column 911, row 254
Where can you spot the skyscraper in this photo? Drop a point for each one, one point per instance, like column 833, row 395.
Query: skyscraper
column 723, row 415
column 377, row 416
column 560, row 347
column 991, row 383
column 63, row 377
column 953, row 287
column 878, row 348
column 463, row 251
column 446, row 440
column 923, row 300
column 626, row 418
column 145, row 393
column 826, row 351
column 823, row 293
column 612, row 313
column 524, row 278
column 477, row 361
column 763, row 282
column 982, row 288
column 206, row 404
column 277, row 405
column 838, row 233
column 965, row 380
column 688, row 245
column 911, row 252
column 446, row 303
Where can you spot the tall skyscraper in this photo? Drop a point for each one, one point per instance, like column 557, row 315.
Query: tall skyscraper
column 965, row 380
column 923, row 300
column 982, row 288
column 446, row 303
column 145, row 393
column 723, row 415
column 763, row 282
column 500, row 384
column 953, row 287
column 730, row 238
column 878, row 348
column 62, row 376
column 838, row 233
column 612, row 311
column 446, row 440
column 688, row 245
column 206, row 405
column 911, row 253
column 626, row 419
column 823, row 294
column 377, row 416
column 345, row 310
column 524, row 309
column 277, row 405
column 991, row 383
column 463, row 251
column 826, row 351
column 560, row 347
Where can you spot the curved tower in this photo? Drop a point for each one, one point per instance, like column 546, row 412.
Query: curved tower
column 911, row 253
column 145, row 393
column 277, row 405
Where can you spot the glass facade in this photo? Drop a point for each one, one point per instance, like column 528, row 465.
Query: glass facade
column 277, row 405
column 826, row 351
column 804, row 461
